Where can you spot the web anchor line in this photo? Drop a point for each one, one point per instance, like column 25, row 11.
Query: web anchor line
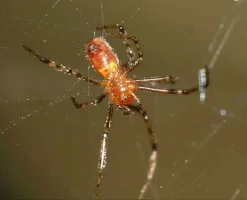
column 204, row 73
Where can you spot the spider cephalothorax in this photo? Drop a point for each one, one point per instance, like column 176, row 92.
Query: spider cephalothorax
column 120, row 88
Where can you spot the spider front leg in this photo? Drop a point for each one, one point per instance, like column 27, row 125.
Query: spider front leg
column 60, row 67
column 103, row 149
column 153, row 157
column 93, row 102
column 125, row 110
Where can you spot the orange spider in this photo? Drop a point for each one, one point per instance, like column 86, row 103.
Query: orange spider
column 119, row 87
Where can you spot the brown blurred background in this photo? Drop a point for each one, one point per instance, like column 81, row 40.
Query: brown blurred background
column 53, row 153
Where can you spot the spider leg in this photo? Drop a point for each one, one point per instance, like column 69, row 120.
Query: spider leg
column 205, row 84
column 94, row 102
column 126, row 110
column 132, row 63
column 169, row 91
column 60, row 67
column 153, row 157
column 165, row 79
column 103, row 149
column 123, row 35
column 122, row 31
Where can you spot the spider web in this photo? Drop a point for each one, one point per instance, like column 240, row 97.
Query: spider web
column 201, row 148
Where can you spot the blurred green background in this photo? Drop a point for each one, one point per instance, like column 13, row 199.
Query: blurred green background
column 53, row 153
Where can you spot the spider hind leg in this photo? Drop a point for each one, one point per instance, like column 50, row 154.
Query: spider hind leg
column 60, row 67
column 132, row 63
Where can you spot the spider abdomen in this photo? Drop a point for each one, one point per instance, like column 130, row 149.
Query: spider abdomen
column 101, row 56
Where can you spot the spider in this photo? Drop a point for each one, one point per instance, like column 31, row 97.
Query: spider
column 119, row 87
